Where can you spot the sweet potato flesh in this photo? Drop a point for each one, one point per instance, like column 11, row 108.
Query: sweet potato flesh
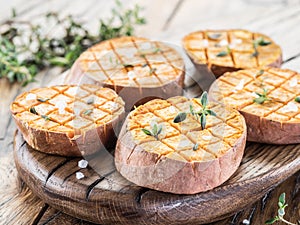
column 177, row 140
column 131, row 62
column 238, row 90
column 82, row 108
column 204, row 46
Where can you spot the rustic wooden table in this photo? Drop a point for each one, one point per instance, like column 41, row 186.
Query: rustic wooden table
column 169, row 21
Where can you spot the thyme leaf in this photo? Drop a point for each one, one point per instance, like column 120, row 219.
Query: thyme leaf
column 199, row 115
column 32, row 110
column 155, row 131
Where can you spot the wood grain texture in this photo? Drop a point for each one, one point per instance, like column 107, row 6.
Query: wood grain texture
column 110, row 199
column 20, row 206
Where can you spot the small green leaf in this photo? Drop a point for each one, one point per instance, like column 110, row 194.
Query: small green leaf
column 282, row 198
column 259, row 73
column 203, row 121
column 147, row 132
column 259, row 100
column 203, row 99
column 222, row 54
column 271, row 221
column 262, row 42
column 43, row 100
column 45, row 117
column 180, row 117
column 88, row 112
column 128, row 65
column 156, row 50
column 159, row 129
column 32, row 110
column 195, row 147
column 297, row 99
column 260, row 95
column 214, row 36
column 154, row 129
column 210, row 112
column 192, row 110
column 13, row 13
column 59, row 61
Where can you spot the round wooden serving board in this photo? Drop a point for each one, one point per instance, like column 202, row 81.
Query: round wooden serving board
column 110, row 199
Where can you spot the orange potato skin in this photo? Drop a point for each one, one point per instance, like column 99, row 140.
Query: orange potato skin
column 60, row 143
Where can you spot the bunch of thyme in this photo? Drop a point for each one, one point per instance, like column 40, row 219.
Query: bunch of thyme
column 25, row 49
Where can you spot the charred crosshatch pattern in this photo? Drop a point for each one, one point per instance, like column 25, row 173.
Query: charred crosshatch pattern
column 179, row 138
column 64, row 116
column 131, row 62
column 232, row 49
column 282, row 87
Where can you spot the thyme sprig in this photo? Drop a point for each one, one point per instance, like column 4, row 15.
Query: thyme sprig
column 199, row 115
column 154, row 132
column 281, row 212
column 262, row 97
column 26, row 49
column 259, row 42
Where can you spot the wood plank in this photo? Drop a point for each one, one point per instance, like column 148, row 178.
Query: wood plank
column 293, row 64
column 110, row 199
column 7, row 6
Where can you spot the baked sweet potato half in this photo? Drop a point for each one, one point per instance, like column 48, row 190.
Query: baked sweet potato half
column 222, row 51
column 136, row 68
column 268, row 101
column 69, row 120
column 163, row 145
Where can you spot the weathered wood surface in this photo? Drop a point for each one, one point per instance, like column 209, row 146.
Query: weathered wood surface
column 108, row 198
column 169, row 21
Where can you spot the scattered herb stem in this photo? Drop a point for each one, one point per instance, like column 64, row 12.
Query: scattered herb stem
column 280, row 212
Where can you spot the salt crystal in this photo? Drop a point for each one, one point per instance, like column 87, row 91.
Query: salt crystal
column 245, row 221
column 131, row 75
column 240, row 85
column 79, row 175
column 83, row 163
column 113, row 105
column 237, row 41
column 290, row 107
column 223, row 43
column 172, row 109
column 293, row 82
column 206, row 138
column 145, row 46
column 61, row 105
column 30, row 96
column 205, row 43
